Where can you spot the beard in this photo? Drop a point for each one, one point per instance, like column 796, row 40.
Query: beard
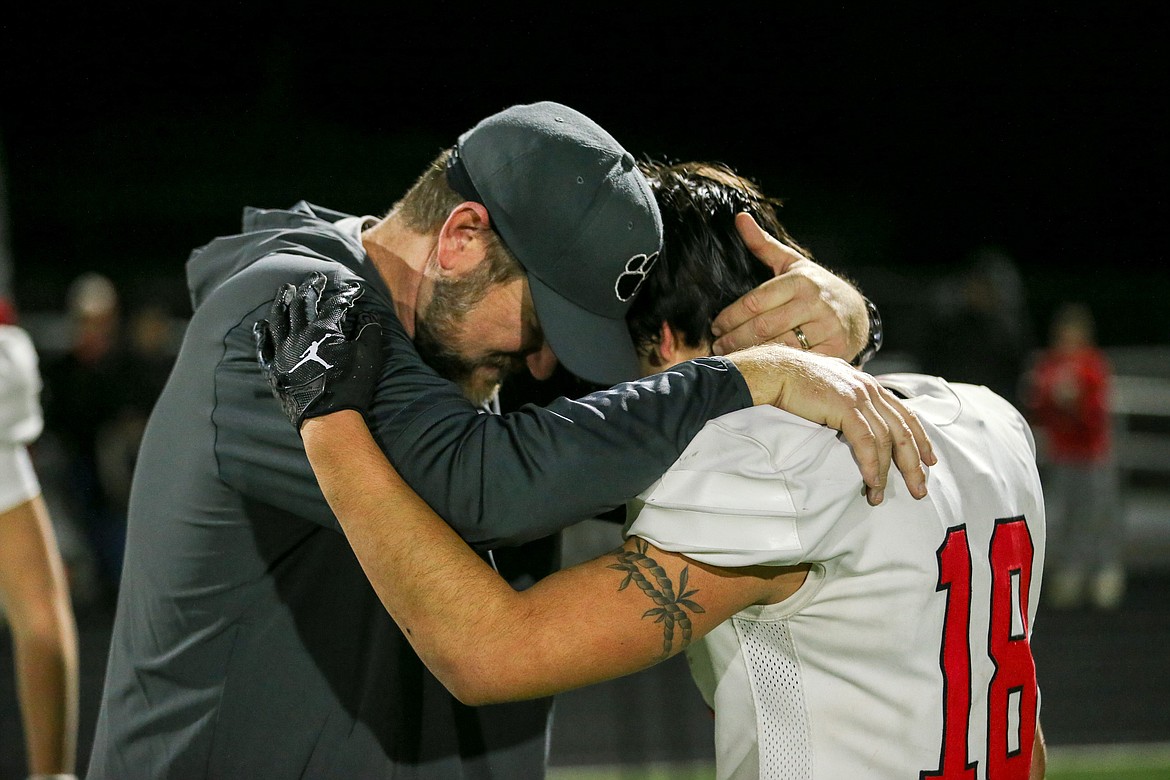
column 439, row 327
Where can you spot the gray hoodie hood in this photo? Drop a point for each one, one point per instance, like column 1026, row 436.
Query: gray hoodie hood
column 304, row 229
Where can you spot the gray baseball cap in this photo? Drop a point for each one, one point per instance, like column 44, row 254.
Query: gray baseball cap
column 570, row 203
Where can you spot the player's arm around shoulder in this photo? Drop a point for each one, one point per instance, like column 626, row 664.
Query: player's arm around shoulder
column 604, row 618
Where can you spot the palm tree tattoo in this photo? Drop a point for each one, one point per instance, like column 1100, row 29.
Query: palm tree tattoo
column 670, row 610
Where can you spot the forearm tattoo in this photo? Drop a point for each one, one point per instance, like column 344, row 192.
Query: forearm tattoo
column 651, row 578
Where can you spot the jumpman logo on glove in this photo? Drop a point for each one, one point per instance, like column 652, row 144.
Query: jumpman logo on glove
column 311, row 354
column 312, row 368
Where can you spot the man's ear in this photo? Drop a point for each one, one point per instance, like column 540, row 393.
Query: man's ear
column 461, row 244
column 664, row 353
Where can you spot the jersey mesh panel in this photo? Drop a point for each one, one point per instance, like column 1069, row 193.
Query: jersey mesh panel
column 785, row 746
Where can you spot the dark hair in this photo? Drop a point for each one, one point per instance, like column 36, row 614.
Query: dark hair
column 704, row 264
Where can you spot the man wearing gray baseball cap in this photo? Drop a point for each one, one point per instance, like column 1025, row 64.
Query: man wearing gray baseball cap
column 248, row 641
column 571, row 205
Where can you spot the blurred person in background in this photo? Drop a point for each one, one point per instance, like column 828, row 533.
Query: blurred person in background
column 86, row 391
column 1068, row 400
column 34, row 595
column 979, row 331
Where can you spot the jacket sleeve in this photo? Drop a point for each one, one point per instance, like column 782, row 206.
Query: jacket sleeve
column 497, row 479
column 503, row 479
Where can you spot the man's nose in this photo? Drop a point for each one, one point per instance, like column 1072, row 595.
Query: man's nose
column 542, row 362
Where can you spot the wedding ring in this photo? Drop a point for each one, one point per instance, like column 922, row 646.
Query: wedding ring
column 801, row 338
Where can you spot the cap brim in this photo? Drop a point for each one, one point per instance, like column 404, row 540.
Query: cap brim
column 596, row 348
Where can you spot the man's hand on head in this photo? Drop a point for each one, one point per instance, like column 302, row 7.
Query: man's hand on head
column 828, row 311
column 304, row 354
column 829, row 391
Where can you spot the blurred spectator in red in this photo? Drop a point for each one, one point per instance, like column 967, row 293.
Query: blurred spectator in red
column 34, row 595
column 7, row 312
column 1069, row 402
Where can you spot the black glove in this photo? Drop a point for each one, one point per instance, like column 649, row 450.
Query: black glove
column 309, row 364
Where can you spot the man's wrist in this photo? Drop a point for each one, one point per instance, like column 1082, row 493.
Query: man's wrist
column 875, row 336
column 332, row 421
column 762, row 368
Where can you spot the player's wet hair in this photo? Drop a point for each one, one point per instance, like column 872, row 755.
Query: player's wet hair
column 704, row 264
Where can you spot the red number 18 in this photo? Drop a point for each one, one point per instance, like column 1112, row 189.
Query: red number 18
column 1011, row 695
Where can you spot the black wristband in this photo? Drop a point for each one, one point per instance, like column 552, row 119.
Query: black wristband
column 875, row 335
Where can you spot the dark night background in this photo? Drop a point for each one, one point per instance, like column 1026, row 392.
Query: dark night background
column 901, row 141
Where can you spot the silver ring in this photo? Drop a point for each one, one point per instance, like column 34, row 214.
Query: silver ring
column 801, row 338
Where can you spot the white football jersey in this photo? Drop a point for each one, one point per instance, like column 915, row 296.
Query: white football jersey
column 884, row 664
column 20, row 416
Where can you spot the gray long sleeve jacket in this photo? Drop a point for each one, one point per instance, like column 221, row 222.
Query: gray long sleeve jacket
column 247, row 641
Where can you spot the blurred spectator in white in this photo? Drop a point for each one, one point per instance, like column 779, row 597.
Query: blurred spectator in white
column 980, row 328
column 1068, row 401
column 33, row 591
